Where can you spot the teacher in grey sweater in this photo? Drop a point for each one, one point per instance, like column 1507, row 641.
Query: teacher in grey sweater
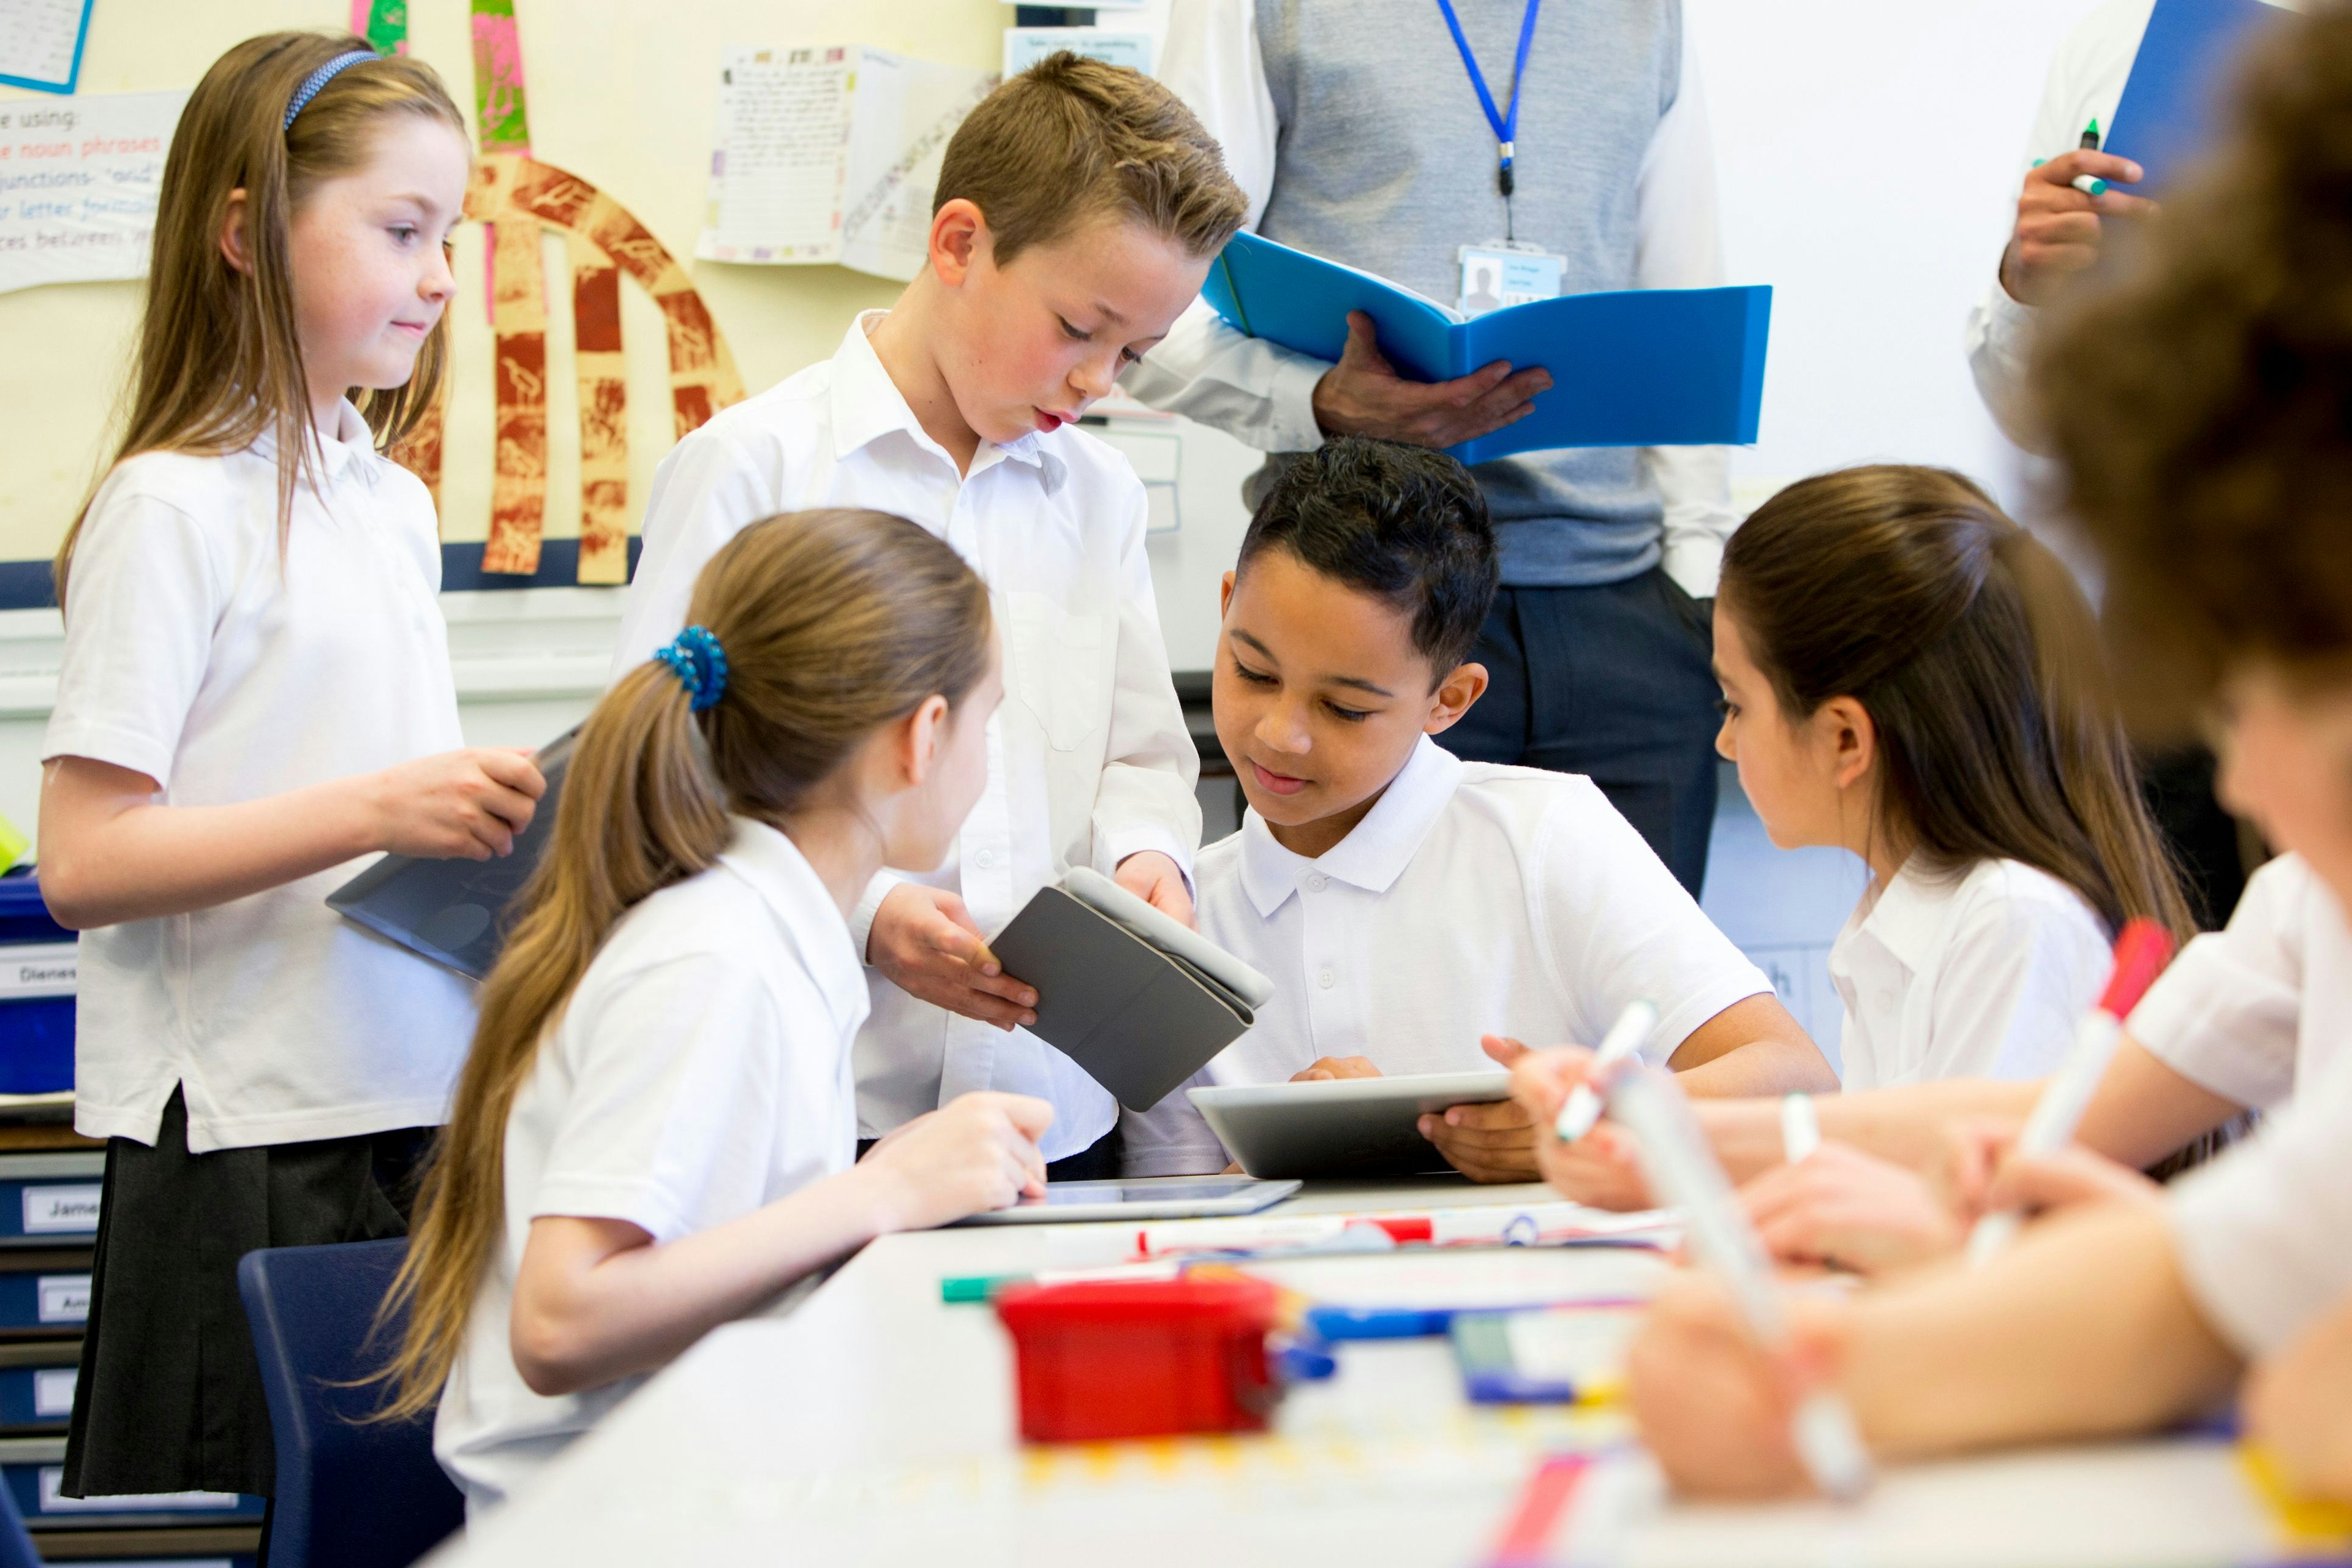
column 1397, row 135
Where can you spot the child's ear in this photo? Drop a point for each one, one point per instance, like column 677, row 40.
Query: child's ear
column 1854, row 740
column 959, row 239
column 1455, row 694
column 1225, row 595
column 921, row 736
column 233, row 247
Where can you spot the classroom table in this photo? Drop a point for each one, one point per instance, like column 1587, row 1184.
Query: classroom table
column 871, row 1424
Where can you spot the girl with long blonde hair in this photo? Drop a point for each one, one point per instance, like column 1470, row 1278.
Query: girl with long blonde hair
column 656, row 1129
column 256, row 693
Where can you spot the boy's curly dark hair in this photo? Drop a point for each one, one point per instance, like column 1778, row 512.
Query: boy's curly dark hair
column 1403, row 523
column 2200, row 396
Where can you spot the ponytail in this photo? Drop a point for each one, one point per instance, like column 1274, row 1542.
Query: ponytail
column 1980, row 664
column 832, row 625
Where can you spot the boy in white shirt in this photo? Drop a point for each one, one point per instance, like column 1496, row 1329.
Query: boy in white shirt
column 1403, row 901
column 1076, row 212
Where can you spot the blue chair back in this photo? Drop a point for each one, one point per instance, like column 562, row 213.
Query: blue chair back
column 351, row 1493
column 17, row 1549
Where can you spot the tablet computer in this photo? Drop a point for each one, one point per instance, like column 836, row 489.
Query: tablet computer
column 1341, row 1127
column 455, row 912
column 1145, row 1197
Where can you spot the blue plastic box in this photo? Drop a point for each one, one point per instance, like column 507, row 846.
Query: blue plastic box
column 37, row 992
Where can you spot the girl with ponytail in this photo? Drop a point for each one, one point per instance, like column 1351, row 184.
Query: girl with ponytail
column 655, row 1131
column 1909, row 675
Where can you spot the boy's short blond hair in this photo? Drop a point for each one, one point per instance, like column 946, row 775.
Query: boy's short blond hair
column 1070, row 139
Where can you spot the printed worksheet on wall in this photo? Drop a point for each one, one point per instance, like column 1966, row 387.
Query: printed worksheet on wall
column 829, row 154
column 40, row 43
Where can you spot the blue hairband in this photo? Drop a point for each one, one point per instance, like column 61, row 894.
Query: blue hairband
column 695, row 656
column 318, row 79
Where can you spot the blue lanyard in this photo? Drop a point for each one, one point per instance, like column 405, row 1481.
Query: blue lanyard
column 1505, row 125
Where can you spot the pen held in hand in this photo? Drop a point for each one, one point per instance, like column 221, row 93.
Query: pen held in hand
column 1623, row 1042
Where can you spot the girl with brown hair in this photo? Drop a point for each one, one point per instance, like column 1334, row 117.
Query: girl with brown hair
column 655, row 1131
column 256, row 692
column 1910, row 675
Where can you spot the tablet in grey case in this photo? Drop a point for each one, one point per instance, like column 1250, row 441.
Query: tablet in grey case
column 1144, row 1197
column 1341, row 1126
column 454, row 912
column 1127, row 993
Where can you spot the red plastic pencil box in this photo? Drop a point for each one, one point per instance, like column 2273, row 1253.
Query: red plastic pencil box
column 1141, row 1359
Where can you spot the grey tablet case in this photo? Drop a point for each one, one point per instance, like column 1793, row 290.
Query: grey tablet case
column 1137, row 1015
column 1341, row 1127
column 454, row 912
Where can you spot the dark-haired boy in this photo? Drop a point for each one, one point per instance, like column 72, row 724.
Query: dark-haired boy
column 1076, row 211
column 1405, row 902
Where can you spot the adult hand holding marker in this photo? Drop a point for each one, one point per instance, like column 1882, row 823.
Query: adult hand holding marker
column 2060, row 212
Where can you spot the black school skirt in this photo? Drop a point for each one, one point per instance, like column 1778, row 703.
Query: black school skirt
column 169, row 1398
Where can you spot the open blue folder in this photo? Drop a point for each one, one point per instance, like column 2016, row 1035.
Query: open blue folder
column 1642, row 367
column 2172, row 101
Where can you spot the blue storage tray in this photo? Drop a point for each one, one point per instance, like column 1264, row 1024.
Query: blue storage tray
column 34, row 1468
column 38, row 1396
column 50, row 1199
column 37, row 1004
column 51, row 1297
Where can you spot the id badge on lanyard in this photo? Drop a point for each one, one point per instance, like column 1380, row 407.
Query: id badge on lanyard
column 1502, row 273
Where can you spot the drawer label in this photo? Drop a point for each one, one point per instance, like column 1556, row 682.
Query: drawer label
column 61, row 1209
column 64, row 1298
column 47, row 970
column 53, row 1389
column 54, row 1498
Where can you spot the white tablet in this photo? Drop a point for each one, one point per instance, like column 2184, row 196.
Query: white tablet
column 1144, row 1197
column 1341, row 1127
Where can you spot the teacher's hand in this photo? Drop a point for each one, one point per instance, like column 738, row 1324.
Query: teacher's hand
column 1363, row 396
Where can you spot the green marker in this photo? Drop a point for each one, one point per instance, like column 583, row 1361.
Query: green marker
column 962, row 1289
column 2090, row 184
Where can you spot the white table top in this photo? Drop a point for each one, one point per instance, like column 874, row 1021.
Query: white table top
column 873, row 1425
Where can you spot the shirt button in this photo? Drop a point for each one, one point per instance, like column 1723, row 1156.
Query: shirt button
column 1317, row 882
column 984, row 859
column 1326, row 979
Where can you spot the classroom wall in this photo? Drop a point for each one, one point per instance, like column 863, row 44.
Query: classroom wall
column 1868, row 155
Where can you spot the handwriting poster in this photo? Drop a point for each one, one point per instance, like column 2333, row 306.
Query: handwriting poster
column 79, row 179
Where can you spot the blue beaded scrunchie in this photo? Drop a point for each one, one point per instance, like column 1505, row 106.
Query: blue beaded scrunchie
column 318, row 79
column 695, row 656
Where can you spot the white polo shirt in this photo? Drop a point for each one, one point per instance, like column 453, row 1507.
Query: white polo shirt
column 1473, row 899
column 2264, row 1233
column 1982, row 975
column 1088, row 759
column 2254, row 1010
column 700, row 1072
column 197, row 655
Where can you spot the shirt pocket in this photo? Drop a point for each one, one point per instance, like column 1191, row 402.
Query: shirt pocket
column 1061, row 667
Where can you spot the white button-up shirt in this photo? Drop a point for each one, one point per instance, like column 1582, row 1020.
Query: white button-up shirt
column 200, row 654
column 1262, row 395
column 2255, row 1010
column 700, row 1070
column 1473, row 899
column 1979, row 976
column 1088, row 759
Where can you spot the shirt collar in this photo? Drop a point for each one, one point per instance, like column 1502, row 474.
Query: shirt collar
column 350, row 450
column 867, row 405
column 1375, row 853
column 777, row 870
column 1909, row 916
